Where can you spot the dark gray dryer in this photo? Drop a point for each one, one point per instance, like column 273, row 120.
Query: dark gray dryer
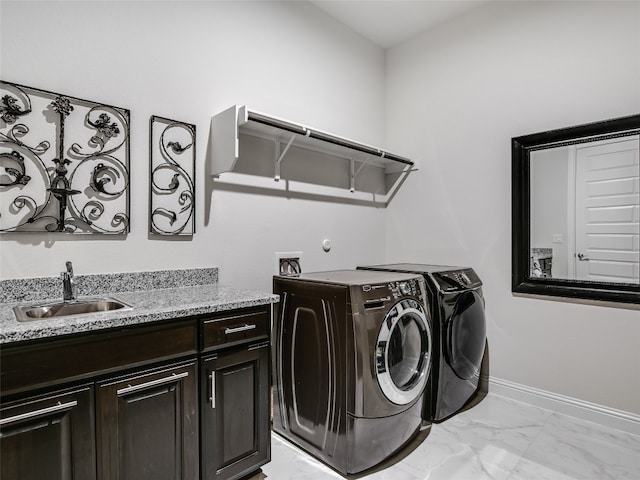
column 352, row 359
column 460, row 368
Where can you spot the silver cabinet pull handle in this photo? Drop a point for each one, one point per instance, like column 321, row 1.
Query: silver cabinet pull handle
column 213, row 389
column 233, row 317
column 243, row 328
column 36, row 413
column 152, row 383
column 257, row 346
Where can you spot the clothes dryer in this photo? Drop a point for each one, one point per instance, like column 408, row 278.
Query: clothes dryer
column 352, row 353
column 461, row 362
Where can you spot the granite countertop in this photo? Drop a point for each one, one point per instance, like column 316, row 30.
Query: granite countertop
column 172, row 300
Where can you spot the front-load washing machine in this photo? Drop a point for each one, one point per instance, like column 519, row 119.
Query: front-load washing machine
column 461, row 358
column 351, row 361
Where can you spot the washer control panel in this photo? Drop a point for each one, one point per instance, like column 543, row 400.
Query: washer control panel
column 385, row 292
column 403, row 289
column 462, row 277
column 457, row 280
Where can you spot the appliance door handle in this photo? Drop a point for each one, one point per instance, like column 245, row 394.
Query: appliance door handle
column 242, row 328
column 37, row 413
column 152, row 383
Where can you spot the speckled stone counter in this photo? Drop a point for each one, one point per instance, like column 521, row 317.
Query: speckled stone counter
column 154, row 296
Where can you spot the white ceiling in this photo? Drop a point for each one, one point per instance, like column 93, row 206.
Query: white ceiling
column 390, row 22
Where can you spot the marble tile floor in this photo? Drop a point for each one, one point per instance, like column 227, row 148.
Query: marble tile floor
column 499, row 439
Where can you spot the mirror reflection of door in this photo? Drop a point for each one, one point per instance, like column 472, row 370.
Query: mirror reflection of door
column 585, row 209
column 607, row 211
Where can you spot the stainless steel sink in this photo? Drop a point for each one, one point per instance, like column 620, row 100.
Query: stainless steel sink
column 82, row 306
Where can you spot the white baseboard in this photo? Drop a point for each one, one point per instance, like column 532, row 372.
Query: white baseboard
column 610, row 417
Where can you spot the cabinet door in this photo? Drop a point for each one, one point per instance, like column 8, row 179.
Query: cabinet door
column 147, row 425
column 235, row 412
column 49, row 436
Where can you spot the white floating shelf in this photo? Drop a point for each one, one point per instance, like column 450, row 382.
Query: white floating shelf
column 229, row 127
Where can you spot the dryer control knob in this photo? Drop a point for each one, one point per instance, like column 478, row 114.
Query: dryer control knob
column 405, row 289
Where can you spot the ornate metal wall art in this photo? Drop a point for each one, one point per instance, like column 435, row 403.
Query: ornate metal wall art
column 64, row 163
column 172, row 180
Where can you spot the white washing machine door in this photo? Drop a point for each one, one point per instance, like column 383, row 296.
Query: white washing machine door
column 403, row 352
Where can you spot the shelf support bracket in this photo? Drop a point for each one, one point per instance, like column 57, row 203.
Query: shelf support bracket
column 352, row 187
column 355, row 173
column 280, row 156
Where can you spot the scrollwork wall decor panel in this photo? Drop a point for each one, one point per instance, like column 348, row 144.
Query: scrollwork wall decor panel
column 64, row 163
column 172, row 179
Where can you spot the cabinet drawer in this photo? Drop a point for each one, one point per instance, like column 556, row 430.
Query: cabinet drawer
column 241, row 327
column 57, row 361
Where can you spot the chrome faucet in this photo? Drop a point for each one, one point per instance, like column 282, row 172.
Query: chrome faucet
column 69, row 287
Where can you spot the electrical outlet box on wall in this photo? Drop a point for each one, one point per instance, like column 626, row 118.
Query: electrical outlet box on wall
column 288, row 263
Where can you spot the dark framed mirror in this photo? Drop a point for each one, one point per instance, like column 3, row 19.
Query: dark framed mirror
column 576, row 212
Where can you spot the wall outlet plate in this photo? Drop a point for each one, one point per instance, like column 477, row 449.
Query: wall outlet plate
column 288, row 263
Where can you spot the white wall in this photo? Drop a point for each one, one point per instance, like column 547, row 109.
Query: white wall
column 455, row 97
column 188, row 61
column 549, row 177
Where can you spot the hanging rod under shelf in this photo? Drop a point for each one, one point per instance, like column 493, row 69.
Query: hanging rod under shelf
column 324, row 137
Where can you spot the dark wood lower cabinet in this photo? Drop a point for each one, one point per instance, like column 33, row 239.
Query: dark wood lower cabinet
column 181, row 400
column 147, row 425
column 49, row 437
column 235, row 412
